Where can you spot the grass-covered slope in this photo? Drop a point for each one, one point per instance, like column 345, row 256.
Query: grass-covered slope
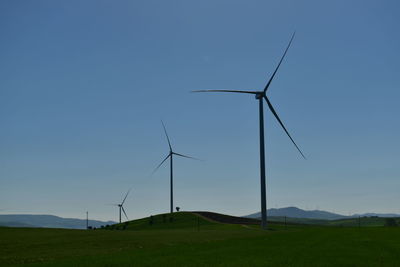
column 192, row 240
column 177, row 220
column 223, row 246
column 223, row 218
column 183, row 220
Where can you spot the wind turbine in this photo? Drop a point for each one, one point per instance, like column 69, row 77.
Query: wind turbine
column 121, row 206
column 170, row 156
column 260, row 96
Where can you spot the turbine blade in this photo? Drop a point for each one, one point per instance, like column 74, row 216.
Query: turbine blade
column 225, row 91
column 283, row 126
column 125, row 196
column 161, row 163
column 125, row 213
column 277, row 67
column 165, row 131
column 181, row 155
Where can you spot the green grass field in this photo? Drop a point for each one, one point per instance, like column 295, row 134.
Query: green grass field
column 183, row 243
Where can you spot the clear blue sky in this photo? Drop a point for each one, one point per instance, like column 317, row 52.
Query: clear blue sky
column 84, row 85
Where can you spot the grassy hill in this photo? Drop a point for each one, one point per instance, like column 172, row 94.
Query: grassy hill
column 180, row 220
column 183, row 220
column 181, row 242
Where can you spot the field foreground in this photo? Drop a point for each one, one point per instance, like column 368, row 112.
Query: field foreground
column 192, row 240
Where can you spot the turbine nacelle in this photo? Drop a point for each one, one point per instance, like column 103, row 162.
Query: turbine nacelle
column 259, row 95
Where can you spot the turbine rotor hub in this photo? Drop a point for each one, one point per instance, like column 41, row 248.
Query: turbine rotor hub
column 259, row 95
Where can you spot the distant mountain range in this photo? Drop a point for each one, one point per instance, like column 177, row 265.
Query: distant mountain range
column 294, row 212
column 47, row 221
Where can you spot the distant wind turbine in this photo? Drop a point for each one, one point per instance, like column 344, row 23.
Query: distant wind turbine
column 170, row 156
column 261, row 95
column 121, row 207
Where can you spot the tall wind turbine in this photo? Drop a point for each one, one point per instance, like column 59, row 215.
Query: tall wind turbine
column 260, row 96
column 121, row 206
column 170, row 156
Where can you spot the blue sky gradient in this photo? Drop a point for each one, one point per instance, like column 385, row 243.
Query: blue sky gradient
column 84, row 85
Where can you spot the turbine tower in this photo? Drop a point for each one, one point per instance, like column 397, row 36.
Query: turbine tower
column 170, row 156
column 121, row 207
column 260, row 96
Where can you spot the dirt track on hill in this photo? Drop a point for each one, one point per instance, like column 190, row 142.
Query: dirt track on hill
column 222, row 218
